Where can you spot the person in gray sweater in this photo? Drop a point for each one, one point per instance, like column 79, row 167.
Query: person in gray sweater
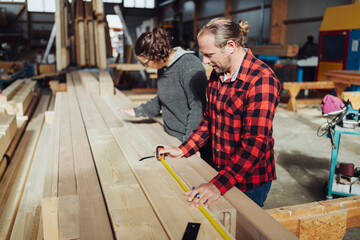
column 181, row 85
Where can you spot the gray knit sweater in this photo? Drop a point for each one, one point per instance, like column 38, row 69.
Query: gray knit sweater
column 181, row 95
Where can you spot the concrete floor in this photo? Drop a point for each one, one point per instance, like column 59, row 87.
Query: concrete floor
column 303, row 159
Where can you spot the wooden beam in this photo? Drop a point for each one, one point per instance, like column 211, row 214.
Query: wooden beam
column 277, row 26
column 90, row 83
column 228, row 8
column 94, row 220
column 21, row 101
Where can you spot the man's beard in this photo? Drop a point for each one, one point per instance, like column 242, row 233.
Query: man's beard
column 224, row 67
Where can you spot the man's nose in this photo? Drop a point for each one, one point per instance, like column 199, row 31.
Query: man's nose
column 206, row 60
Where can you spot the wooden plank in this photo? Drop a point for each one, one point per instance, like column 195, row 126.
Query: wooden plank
column 275, row 50
column 130, row 212
column 8, row 129
column 10, row 91
column 12, row 184
column 90, row 83
column 90, row 43
column 80, row 43
column 46, row 68
column 106, row 84
column 100, row 43
column 20, row 102
column 277, row 27
column 51, row 177
column 69, row 215
column 94, row 219
column 50, row 218
column 27, row 218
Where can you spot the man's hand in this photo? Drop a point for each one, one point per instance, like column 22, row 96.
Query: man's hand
column 128, row 111
column 171, row 151
column 208, row 194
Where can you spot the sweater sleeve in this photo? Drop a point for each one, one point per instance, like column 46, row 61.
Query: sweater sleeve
column 194, row 83
column 149, row 109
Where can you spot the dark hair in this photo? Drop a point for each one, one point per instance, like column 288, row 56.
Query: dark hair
column 224, row 30
column 155, row 45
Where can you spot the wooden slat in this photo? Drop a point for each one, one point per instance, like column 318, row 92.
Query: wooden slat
column 80, row 43
column 27, row 218
column 69, row 215
column 10, row 91
column 90, row 43
column 275, row 50
column 50, row 218
column 106, row 84
column 11, row 187
column 100, row 43
column 8, row 129
column 90, row 83
column 94, row 219
column 22, row 99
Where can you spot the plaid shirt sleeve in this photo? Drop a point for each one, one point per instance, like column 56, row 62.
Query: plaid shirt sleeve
column 260, row 102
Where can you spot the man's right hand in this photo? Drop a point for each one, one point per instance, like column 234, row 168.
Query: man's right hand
column 170, row 151
column 128, row 111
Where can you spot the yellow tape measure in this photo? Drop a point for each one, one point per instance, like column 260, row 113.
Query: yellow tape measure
column 202, row 209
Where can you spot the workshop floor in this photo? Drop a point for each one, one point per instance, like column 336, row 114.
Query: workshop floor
column 303, row 159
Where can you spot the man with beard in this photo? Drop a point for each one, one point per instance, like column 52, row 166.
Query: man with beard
column 243, row 93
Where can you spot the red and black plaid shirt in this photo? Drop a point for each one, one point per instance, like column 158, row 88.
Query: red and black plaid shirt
column 238, row 119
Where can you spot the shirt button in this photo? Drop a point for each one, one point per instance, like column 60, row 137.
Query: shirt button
column 217, row 134
column 218, row 167
column 217, row 116
column 217, row 150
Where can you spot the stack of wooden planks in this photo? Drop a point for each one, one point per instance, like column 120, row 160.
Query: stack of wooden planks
column 89, row 183
column 17, row 103
column 84, row 35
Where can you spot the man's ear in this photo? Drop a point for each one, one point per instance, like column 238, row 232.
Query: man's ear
column 230, row 47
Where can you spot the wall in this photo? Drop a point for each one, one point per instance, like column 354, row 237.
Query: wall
column 296, row 33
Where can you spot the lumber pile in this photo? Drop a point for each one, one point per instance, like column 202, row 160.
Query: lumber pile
column 275, row 50
column 80, row 178
column 83, row 34
column 16, row 98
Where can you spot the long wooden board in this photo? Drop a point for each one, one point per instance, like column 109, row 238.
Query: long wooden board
column 94, row 220
column 12, row 185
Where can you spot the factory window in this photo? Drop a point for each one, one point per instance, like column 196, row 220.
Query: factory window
column 139, row 3
column 41, row 5
column 12, row 0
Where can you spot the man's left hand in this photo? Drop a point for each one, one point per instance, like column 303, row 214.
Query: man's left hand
column 208, row 194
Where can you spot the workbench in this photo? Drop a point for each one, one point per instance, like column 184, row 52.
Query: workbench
column 343, row 79
column 338, row 131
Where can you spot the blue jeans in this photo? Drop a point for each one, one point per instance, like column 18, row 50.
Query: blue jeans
column 259, row 194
